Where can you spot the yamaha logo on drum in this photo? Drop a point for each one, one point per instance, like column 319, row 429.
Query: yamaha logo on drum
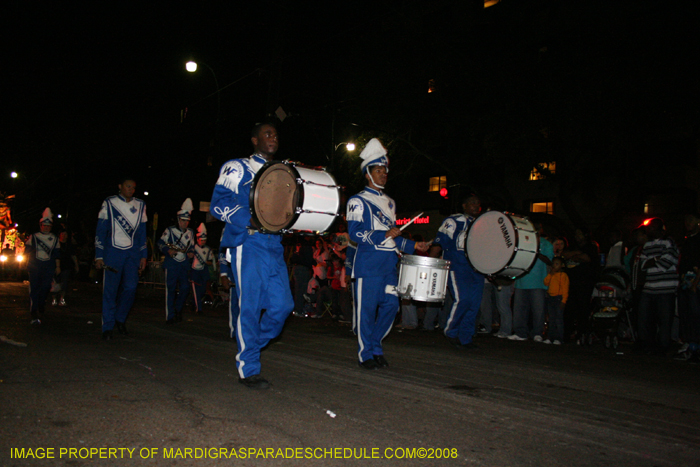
column 504, row 231
column 433, row 286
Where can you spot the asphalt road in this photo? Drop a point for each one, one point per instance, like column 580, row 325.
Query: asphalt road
column 169, row 395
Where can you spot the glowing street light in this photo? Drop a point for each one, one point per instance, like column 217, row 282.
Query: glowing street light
column 349, row 146
column 191, row 67
column 14, row 174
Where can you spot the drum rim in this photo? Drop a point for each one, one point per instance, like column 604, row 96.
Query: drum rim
column 251, row 196
column 508, row 215
column 301, row 199
column 439, row 263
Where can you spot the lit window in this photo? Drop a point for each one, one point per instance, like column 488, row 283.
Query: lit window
column 535, row 174
column 646, row 208
column 436, row 183
column 545, row 207
column 431, row 86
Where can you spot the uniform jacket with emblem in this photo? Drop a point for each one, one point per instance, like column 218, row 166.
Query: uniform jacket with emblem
column 230, row 201
column 121, row 225
column 370, row 214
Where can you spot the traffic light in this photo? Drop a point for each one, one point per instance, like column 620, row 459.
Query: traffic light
column 445, row 202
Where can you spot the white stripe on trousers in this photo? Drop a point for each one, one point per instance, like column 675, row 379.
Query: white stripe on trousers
column 239, row 256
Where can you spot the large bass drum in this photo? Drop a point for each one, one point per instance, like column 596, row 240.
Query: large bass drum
column 502, row 244
column 286, row 197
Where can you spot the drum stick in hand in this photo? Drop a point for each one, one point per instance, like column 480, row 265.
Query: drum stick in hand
column 403, row 227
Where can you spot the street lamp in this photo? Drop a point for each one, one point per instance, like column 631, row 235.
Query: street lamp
column 349, row 146
column 191, row 67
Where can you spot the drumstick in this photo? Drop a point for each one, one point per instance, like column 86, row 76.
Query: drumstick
column 402, row 227
column 411, row 221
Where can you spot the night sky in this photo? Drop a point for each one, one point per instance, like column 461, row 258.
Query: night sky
column 96, row 92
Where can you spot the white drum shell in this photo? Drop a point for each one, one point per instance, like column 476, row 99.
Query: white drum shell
column 323, row 200
column 502, row 244
column 423, row 279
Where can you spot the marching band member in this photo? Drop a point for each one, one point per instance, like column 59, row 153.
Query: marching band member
column 371, row 217
column 44, row 252
column 256, row 258
column 177, row 244
column 203, row 258
column 465, row 284
column 120, row 249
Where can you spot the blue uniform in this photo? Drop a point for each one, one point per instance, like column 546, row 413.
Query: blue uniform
column 42, row 250
column 177, row 268
column 257, row 263
column 465, row 284
column 370, row 214
column 120, row 241
column 199, row 274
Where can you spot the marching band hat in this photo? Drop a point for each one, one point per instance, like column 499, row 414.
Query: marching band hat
column 46, row 217
column 202, row 231
column 185, row 210
column 374, row 154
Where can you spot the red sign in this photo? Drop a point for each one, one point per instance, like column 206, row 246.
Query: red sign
column 420, row 220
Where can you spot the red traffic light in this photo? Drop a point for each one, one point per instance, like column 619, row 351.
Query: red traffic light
column 443, row 192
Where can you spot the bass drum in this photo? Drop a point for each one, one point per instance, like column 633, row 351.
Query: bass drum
column 288, row 197
column 502, row 244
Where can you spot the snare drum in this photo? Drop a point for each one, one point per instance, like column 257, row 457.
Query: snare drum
column 423, row 279
column 289, row 197
column 502, row 244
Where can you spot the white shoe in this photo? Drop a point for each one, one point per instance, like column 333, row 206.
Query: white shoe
column 546, row 341
column 556, row 342
column 537, row 338
column 516, row 337
column 502, row 336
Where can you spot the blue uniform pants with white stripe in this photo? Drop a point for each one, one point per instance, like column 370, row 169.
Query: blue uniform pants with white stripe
column 40, row 277
column 177, row 275
column 119, row 288
column 466, row 289
column 375, row 308
column 261, row 283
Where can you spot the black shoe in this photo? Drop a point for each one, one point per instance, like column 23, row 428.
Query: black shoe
column 381, row 361
column 170, row 321
column 454, row 341
column 254, row 382
column 370, row 364
column 469, row 346
column 107, row 335
column 121, row 329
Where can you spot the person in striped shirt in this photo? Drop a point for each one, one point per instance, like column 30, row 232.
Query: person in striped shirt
column 659, row 261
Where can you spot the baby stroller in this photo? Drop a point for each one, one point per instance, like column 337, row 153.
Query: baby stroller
column 610, row 320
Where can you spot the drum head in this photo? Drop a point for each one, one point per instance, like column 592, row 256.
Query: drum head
column 491, row 242
column 275, row 196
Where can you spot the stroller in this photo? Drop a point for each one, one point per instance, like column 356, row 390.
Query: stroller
column 610, row 319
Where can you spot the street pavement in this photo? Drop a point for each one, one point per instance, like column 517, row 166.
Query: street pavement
column 169, row 395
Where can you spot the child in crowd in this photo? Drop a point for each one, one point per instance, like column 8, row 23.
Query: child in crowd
column 557, row 293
